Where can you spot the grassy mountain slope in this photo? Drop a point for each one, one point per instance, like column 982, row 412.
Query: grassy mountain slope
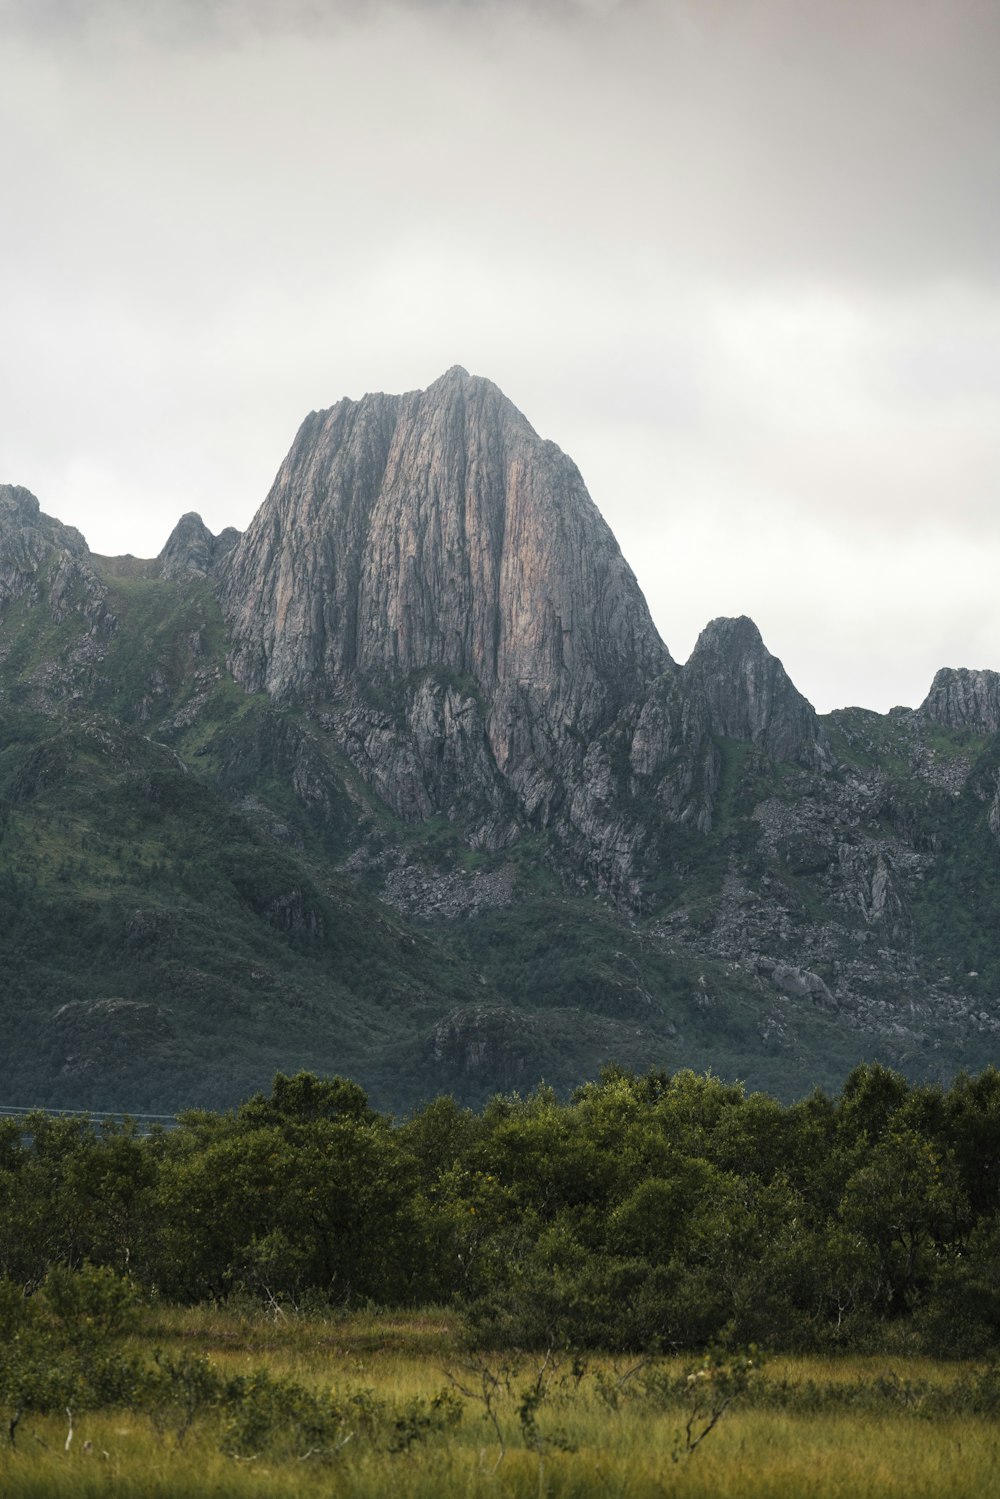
column 197, row 889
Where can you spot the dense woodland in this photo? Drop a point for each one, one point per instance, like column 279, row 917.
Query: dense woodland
column 649, row 1212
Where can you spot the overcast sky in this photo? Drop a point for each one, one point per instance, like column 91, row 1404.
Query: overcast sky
column 739, row 258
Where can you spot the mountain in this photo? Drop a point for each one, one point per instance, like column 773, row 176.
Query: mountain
column 403, row 783
column 434, row 571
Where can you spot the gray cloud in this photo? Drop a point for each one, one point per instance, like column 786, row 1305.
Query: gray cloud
column 739, row 259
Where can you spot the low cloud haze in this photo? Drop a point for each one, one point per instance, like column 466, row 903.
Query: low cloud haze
column 739, row 258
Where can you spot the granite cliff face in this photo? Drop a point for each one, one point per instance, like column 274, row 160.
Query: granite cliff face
column 964, row 699
column 431, row 567
column 55, row 605
column 191, row 551
column 436, row 530
column 745, row 693
column 41, row 559
column 434, row 581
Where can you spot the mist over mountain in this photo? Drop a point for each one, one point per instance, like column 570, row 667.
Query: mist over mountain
column 403, row 783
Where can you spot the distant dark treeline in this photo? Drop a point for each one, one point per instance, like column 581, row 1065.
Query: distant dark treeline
column 648, row 1212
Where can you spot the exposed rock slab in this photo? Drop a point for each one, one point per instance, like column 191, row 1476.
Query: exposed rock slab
column 962, row 698
column 192, row 551
column 41, row 559
column 435, row 537
column 748, row 695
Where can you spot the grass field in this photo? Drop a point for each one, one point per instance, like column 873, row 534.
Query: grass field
column 820, row 1427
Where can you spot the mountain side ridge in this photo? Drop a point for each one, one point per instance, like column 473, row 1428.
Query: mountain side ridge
column 459, row 821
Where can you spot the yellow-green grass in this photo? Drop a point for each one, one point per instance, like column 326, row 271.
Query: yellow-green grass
column 753, row 1455
column 584, row 1447
column 400, row 1355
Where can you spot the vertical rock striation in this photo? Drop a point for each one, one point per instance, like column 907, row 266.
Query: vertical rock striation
column 43, row 560
column 191, row 551
column 435, row 535
column 433, row 581
column 964, row 699
column 747, row 694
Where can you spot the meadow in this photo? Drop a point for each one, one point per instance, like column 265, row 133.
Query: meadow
column 661, row 1286
column 407, row 1407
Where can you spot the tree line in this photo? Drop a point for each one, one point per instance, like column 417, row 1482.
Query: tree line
column 645, row 1212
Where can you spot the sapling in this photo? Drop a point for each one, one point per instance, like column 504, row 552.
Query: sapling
column 722, row 1377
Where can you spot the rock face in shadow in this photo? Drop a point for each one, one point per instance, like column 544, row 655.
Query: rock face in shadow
column 43, row 560
column 661, row 762
column 434, row 568
column 482, row 1040
column 191, row 551
column 964, row 699
column 747, row 694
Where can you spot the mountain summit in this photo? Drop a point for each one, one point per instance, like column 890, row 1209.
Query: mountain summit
column 403, row 784
column 433, row 578
column 433, row 547
column 437, row 530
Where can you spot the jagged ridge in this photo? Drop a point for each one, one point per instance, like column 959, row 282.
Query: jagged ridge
column 433, row 545
column 440, row 617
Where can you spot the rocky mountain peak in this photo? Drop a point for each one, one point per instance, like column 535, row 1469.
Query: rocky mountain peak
column 962, row 698
column 188, row 548
column 24, row 527
column 191, row 550
column 226, row 540
column 435, row 532
column 747, row 694
column 39, row 556
column 18, row 506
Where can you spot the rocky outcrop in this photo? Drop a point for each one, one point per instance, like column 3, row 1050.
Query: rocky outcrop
column 415, row 890
column 192, row 551
column 434, row 537
column 94, row 1036
column 49, row 578
column 660, row 763
column 41, row 560
column 993, row 816
column 483, row 1041
column 798, row 982
column 964, row 699
column 434, row 581
column 746, row 694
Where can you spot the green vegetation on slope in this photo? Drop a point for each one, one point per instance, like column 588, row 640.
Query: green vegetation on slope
column 190, row 882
